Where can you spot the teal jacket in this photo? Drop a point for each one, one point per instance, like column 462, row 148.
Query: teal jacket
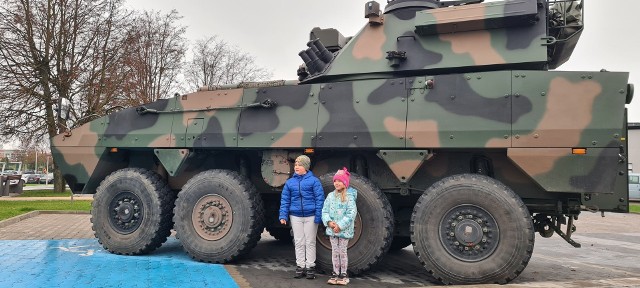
column 342, row 213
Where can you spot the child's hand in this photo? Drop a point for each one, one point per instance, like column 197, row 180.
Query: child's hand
column 336, row 228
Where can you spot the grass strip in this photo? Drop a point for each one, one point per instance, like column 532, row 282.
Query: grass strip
column 45, row 193
column 10, row 209
column 634, row 207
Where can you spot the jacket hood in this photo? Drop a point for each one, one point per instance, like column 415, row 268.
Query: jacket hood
column 352, row 192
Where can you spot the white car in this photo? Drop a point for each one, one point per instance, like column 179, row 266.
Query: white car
column 634, row 186
column 11, row 172
column 46, row 178
column 31, row 178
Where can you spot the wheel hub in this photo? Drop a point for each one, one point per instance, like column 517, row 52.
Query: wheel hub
column 469, row 233
column 212, row 217
column 125, row 212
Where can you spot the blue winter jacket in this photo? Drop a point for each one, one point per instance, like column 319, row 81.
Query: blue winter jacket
column 302, row 196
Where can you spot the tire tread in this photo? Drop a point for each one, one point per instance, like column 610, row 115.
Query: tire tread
column 256, row 210
column 510, row 196
column 164, row 194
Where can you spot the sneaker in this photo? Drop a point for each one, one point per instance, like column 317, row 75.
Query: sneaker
column 343, row 279
column 299, row 272
column 334, row 279
column 311, row 273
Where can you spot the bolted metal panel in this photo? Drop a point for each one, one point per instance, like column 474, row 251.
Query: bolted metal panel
column 558, row 170
column 474, row 17
column 508, row 47
column 141, row 130
column 460, row 110
column 363, row 114
column 194, row 131
column 404, row 163
column 291, row 123
column 568, row 109
column 219, row 112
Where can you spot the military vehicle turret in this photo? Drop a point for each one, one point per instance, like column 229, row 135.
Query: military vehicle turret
column 463, row 141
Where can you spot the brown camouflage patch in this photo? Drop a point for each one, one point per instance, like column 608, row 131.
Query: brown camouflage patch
column 369, row 44
column 568, row 113
column 293, row 138
column 81, row 136
column 504, row 169
column 498, row 143
column 537, row 161
column 395, row 127
column 475, row 43
column 209, row 99
column 423, row 133
column 457, row 14
column 405, row 169
column 85, row 156
column 166, row 140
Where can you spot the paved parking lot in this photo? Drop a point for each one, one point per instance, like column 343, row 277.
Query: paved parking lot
column 82, row 263
column 58, row 250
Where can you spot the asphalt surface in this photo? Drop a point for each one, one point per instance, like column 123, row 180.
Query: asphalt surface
column 58, row 250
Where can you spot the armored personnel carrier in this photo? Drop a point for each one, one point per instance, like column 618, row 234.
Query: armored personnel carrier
column 463, row 141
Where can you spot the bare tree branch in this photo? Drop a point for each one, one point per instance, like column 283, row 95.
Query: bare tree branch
column 155, row 54
column 216, row 63
column 58, row 51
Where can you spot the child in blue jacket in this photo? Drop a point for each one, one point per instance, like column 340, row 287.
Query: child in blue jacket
column 301, row 200
column 339, row 214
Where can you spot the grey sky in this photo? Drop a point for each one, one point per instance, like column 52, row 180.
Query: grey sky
column 274, row 31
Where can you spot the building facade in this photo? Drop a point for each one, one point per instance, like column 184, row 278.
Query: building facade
column 633, row 143
column 8, row 154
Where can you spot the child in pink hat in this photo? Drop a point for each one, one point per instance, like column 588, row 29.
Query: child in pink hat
column 339, row 214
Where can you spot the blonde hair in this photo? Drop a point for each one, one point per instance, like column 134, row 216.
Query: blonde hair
column 342, row 195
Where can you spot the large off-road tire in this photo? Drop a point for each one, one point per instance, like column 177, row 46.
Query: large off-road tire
column 470, row 229
column 218, row 216
column 399, row 242
column 373, row 227
column 281, row 234
column 132, row 211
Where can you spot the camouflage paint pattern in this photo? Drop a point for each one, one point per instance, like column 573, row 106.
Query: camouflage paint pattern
column 172, row 159
column 481, row 91
column 511, row 46
column 259, row 127
column 416, row 96
column 217, row 128
column 404, row 163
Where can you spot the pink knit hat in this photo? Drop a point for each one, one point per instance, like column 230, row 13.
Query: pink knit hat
column 342, row 175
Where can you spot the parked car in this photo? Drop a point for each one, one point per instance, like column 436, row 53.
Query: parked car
column 13, row 181
column 46, row 178
column 31, row 178
column 634, row 186
column 9, row 172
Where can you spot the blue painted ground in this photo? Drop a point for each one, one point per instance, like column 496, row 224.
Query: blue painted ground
column 84, row 263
